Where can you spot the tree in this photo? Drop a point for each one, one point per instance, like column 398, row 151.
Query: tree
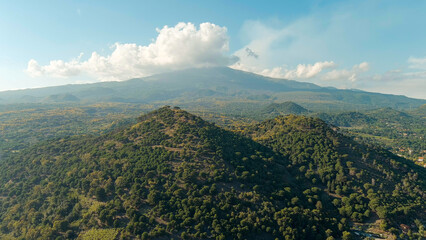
column 347, row 235
column 100, row 194
column 319, row 205
column 153, row 197
column 382, row 212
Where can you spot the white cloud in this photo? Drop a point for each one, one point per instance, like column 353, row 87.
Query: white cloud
column 302, row 71
column 345, row 75
column 56, row 68
column 270, row 51
column 178, row 47
column 322, row 73
column 417, row 63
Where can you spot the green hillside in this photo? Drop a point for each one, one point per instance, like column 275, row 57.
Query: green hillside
column 403, row 133
column 346, row 119
column 368, row 182
column 174, row 175
column 170, row 174
column 284, row 108
column 420, row 111
column 23, row 125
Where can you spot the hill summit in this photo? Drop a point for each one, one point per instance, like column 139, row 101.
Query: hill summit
column 284, row 109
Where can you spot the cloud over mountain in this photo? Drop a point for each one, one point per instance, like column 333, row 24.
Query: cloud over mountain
column 302, row 71
column 305, row 49
column 345, row 74
column 182, row 46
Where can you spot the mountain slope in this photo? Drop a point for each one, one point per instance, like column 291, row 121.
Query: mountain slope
column 209, row 85
column 420, row 111
column 61, row 98
column 346, row 119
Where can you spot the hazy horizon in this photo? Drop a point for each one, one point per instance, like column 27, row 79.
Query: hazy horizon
column 277, row 78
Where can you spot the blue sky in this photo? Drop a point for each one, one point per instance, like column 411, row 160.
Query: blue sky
column 369, row 45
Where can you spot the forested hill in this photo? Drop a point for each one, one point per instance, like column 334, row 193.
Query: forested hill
column 174, row 175
column 366, row 180
column 420, row 111
column 276, row 109
column 403, row 133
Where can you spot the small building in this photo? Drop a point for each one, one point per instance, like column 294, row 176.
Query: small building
column 421, row 159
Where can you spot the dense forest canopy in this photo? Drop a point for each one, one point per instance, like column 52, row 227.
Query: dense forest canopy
column 403, row 133
column 170, row 174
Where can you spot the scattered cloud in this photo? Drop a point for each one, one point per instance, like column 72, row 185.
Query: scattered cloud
column 411, row 81
column 324, row 73
column 350, row 75
column 178, row 47
column 417, row 63
column 398, row 81
column 56, row 68
column 302, row 71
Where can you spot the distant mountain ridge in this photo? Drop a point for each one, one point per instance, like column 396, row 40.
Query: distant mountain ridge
column 184, row 87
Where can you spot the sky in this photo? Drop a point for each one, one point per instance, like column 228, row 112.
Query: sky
column 373, row 45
